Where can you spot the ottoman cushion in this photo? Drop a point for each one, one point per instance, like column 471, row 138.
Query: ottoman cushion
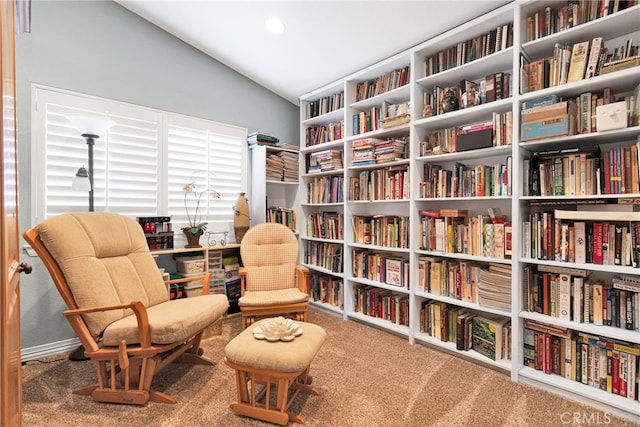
column 279, row 356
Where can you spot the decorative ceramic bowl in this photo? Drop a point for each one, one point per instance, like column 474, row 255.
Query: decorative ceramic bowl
column 277, row 329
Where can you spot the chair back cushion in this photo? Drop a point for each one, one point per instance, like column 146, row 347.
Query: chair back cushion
column 106, row 261
column 269, row 253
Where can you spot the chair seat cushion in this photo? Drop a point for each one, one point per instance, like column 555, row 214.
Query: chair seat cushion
column 277, row 297
column 171, row 321
column 279, row 356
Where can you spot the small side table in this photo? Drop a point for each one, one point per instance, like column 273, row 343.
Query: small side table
column 281, row 366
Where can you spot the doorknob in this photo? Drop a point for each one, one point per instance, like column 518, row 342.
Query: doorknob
column 24, row 268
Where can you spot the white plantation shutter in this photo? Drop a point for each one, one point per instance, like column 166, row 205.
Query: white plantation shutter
column 210, row 155
column 141, row 164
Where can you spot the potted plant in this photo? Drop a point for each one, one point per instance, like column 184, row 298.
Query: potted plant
column 196, row 226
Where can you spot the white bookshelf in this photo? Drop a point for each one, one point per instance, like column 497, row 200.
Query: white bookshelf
column 515, row 205
column 268, row 191
column 311, row 209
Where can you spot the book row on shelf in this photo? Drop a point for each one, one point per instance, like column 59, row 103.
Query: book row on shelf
column 315, row 135
column 440, row 99
column 382, row 304
column 466, row 181
column 484, row 283
column 607, row 364
column 386, row 82
column 380, row 267
column 574, row 62
column 550, row 116
column 495, row 40
column 383, row 117
column 325, row 255
column 324, row 105
column 493, row 133
column 369, row 151
column 462, row 233
column 381, row 230
column 556, row 18
column 488, row 336
column 325, row 189
column 581, row 296
column 559, row 235
column 325, row 289
column 531, row 109
column 326, row 225
column 282, row 215
column 390, row 183
column 585, row 170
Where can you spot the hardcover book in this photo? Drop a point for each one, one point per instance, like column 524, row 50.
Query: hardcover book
column 394, row 268
column 594, row 55
column 578, row 63
column 487, row 336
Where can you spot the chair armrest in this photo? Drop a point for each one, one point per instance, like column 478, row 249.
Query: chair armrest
column 242, row 272
column 302, row 277
column 144, row 335
column 206, row 281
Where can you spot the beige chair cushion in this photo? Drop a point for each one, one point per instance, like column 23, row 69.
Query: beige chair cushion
column 269, row 252
column 102, row 270
column 292, row 356
column 265, row 298
column 171, row 321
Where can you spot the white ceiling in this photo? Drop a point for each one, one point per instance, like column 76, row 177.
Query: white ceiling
column 323, row 42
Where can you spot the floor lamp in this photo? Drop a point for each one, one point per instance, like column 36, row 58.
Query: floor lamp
column 90, row 128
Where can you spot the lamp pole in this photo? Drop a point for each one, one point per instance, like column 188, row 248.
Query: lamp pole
column 90, row 143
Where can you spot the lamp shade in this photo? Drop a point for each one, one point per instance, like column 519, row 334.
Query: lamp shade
column 81, row 182
column 93, row 125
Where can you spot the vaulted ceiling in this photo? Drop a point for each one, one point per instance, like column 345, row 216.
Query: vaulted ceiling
column 323, row 40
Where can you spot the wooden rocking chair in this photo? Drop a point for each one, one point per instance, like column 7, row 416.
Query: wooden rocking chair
column 119, row 305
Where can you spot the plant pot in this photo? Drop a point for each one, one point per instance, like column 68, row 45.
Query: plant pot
column 193, row 240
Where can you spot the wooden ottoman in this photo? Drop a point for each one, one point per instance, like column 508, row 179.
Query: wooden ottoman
column 282, row 367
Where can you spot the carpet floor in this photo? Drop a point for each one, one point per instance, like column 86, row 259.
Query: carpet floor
column 367, row 377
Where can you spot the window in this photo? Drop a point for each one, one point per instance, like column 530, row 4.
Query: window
column 141, row 164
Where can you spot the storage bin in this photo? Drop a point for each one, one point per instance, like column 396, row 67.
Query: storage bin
column 193, row 288
column 217, row 281
column 186, row 265
column 215, row 259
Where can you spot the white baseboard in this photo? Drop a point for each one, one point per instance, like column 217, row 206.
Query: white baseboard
column 49, row 349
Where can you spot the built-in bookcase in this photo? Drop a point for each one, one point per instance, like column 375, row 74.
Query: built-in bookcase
column 575, row 322
column 274, row 185
column 437, row 206
column 321, row 195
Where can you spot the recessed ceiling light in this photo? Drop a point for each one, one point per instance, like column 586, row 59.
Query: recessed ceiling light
column 274, row 25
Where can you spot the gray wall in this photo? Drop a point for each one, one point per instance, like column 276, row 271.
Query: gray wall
column 102, row 49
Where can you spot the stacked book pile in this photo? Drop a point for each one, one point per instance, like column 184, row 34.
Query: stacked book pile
column 324, row 161
column 494, row 289
column 282, row 166
column 274, row 167
column 289, row 166
column 545, row 117
column 390, row 150
column 362, row 151
column 262, row 138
